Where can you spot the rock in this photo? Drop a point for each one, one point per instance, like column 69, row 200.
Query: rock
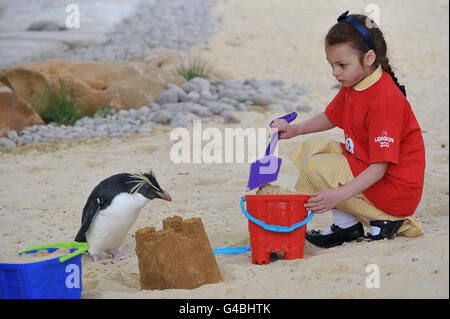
column 15, row 113
column 229, row 117
column 193, row 96
column 261, row 99
column 234, row 84
column 177, row 257
column 27, row 139
column 196, row 84
column 146, row 128
column 206, row 95
column 275, row 82
column 237, row 95
column 154, row 107
column 12, row 135
column 168, row 96
column 218, row 107
column 123, row 113
column 227, row 100
column 200, row 84
column 197, row 109
column 180, row 91
column 121, row 84
column 241, row 107
column 46, row 25
column 144, row 111
column 179, row 120
column 271, row 91
column 255, row 83
column 134, row 114
column 162, row 117
column 6, row 142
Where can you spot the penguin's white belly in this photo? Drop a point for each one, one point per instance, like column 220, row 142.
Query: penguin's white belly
column 111, row 225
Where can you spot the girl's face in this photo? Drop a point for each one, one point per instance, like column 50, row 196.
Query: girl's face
column 346, row 66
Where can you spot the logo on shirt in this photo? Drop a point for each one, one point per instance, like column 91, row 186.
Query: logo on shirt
column 349, row 146
column 384, row 139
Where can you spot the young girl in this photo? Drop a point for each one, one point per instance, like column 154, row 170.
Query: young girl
column 376, row 178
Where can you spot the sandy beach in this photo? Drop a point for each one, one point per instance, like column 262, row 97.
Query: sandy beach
column 43, row 187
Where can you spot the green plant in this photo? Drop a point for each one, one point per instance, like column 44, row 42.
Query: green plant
column 62, row 107
column 104, row 111
column 195, row 68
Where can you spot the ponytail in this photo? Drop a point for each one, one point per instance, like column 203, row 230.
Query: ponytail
column 384, row 62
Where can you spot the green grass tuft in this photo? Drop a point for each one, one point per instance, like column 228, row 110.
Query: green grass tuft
column 62, row 107
column 104, row 111
column 195, row 68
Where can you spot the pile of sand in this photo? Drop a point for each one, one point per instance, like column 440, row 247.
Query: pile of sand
column 270, row 189
column 33, row 257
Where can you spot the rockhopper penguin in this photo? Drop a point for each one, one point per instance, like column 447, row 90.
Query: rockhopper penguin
column 113, row 207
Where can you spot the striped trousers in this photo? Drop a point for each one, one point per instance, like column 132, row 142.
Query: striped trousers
column 323, row 165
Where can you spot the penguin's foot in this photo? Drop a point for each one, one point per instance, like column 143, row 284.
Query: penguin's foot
column 95, row 258
column 117, row 256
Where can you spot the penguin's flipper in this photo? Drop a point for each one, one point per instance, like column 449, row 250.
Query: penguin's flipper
column 92, row 207
column 100, row 198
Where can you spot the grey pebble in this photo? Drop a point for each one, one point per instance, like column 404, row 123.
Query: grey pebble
column 229, row 117
column 168, row 96
column 162, row 116
column 6, row 142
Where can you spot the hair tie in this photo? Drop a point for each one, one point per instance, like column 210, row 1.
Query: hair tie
column 359, row 27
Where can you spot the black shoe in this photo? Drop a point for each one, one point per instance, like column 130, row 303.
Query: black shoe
column 337, row 237
column 388, row 229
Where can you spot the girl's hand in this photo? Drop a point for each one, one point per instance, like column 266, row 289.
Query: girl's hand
column 323, row 201
column 281, row 125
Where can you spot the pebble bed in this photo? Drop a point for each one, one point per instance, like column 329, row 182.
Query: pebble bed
column 197, row 99
column 173, row 24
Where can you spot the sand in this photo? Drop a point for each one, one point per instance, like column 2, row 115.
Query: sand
column 43, row 188
column 40, row 255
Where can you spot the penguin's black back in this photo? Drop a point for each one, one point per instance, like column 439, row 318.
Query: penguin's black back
column 100, row 198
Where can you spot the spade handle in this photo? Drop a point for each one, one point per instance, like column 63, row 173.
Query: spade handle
column 274, row 139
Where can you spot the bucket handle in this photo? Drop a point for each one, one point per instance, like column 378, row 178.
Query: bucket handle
column 274, row 228
column 82, row 247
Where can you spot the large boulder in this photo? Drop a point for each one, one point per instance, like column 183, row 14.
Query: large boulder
column 122, row 84
column 15, row 113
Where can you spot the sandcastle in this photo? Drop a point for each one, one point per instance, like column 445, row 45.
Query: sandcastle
column 178, row 256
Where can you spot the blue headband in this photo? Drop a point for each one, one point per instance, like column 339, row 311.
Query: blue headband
column 363, row 31
column 359, row 27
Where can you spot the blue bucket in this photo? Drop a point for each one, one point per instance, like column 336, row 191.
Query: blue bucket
column 56, row 278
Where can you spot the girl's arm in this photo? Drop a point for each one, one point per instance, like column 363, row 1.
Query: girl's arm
column 325, row 200
column 315, row 124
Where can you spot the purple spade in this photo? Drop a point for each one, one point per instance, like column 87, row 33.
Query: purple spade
column 266, row 169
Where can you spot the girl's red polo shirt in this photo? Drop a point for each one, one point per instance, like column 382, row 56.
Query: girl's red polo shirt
column 380, row 126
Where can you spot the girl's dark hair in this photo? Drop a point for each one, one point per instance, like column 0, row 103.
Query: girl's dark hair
column 343, row 32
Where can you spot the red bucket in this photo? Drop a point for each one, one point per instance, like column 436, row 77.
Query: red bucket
column 280, row 210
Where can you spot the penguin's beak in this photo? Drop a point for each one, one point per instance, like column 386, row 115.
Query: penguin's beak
column 164, row 195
